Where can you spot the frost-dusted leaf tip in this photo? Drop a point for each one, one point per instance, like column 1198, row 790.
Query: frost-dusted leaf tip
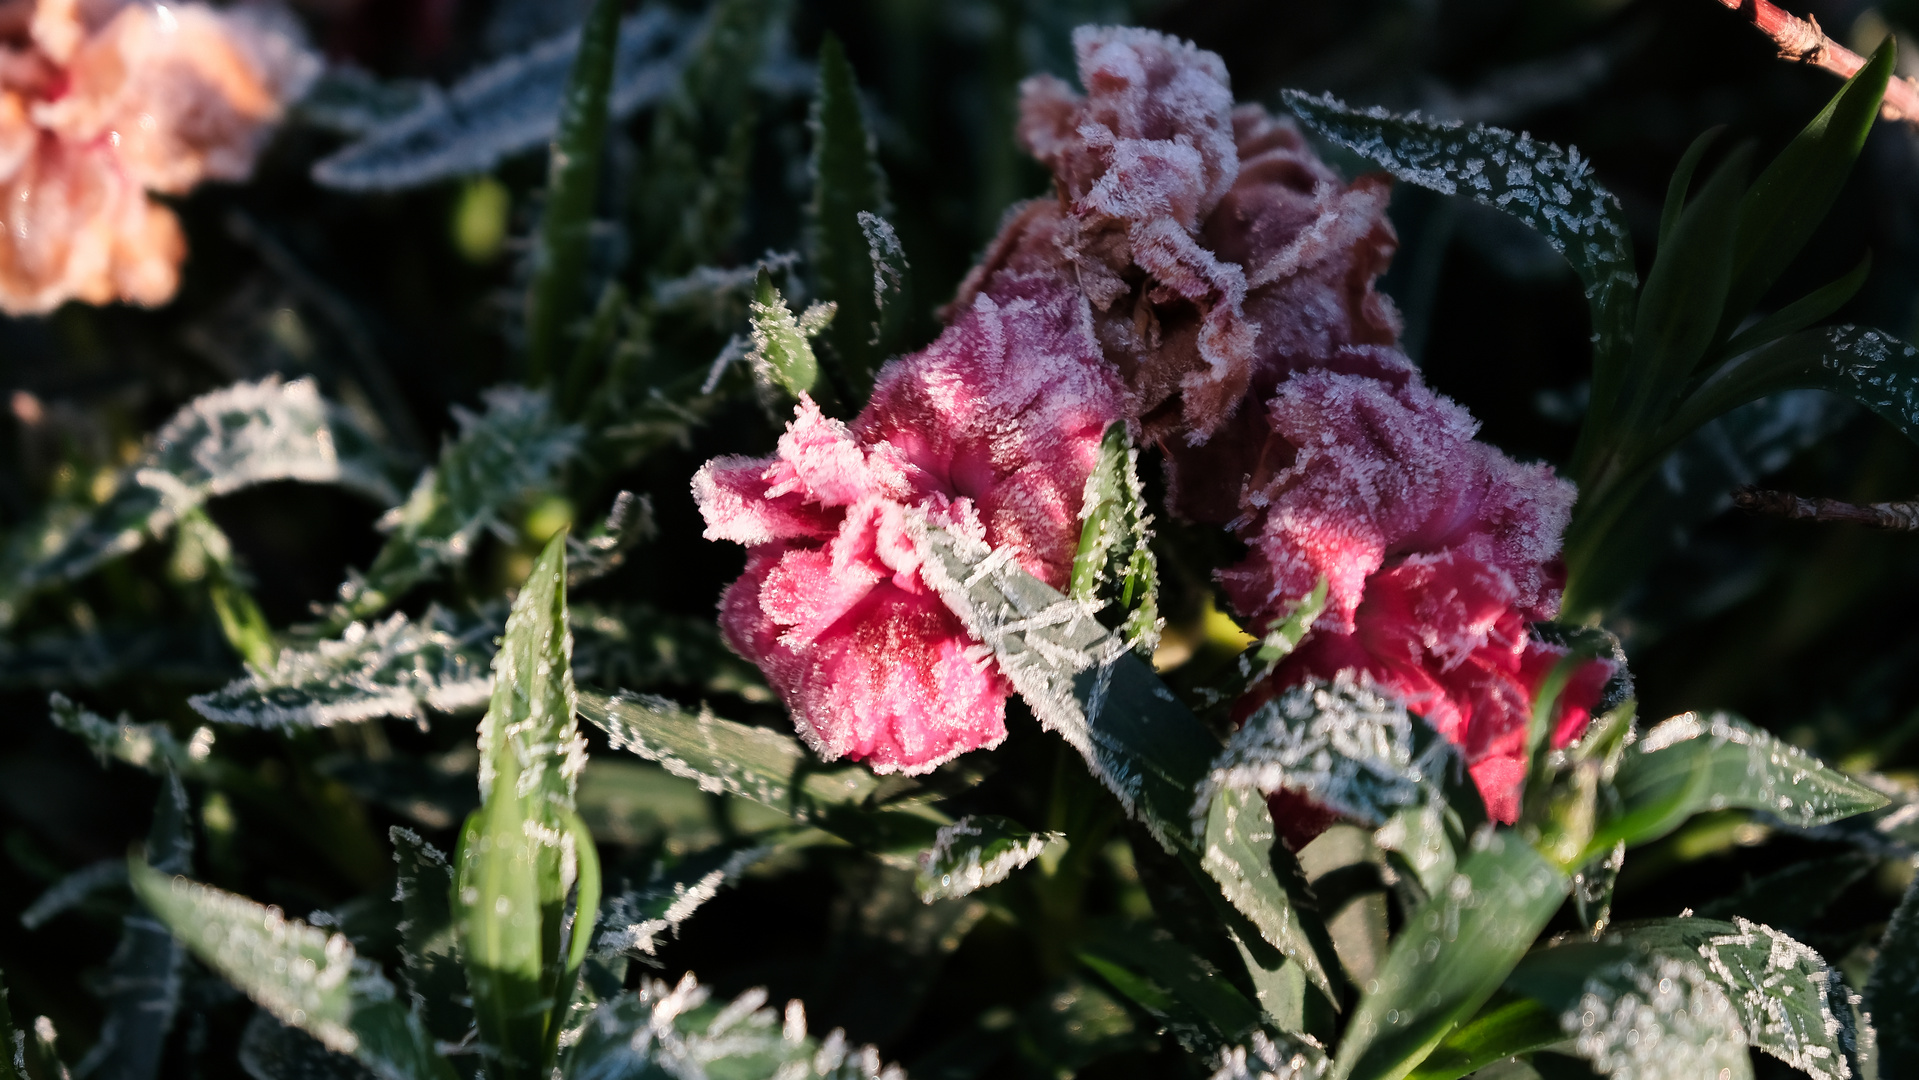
column 975, row 852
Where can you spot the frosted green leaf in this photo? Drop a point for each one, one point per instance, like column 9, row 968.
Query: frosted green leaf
column 639, row 921
column 1190, row 998
column 1868, row 366
column 393, row 668
column 1115, row 566
column 246, row 434
column 1266, row 1057
column 679, row 1033
column 1665, row 1019
column 1892, row 992
column 152, row 747
column 352, row 101
column 429, row 953
column 302, row 975
column 977, row 851
column 504, row 108
column 604, row 550
column 1694, row 763
column 782, row 353
column 499, row 456
column 1262, row 879
column 1553, row 190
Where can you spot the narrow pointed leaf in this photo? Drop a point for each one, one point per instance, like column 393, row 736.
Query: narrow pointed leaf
column 1872, row 368
column 220, row 443
column 1184, row 993
column 142, row 987
column 1692, row 763
column 503, row 108
column 977, row 851
column 847, row 182
column 1892, row 992
column 1550, row 189
column 1504, row 1028
column 302, row 975
column 1681, row 183
column 1813, row 307
column 1790, row 199
column 423, row 887
column 556, row 293
column 1454, row 953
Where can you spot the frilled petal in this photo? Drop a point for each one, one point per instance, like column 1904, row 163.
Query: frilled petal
column 78, row 228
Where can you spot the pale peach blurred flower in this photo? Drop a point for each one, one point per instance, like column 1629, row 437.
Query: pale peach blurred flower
column 103, row 101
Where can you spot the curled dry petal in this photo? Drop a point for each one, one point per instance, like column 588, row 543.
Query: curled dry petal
column 992, row 429
column 102, row 102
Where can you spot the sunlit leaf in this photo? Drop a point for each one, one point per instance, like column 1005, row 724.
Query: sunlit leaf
column 1508, row 1025
column 1115, row 566
column 302, row 975
column 977, row 851
column 397, row 667
column 782, row 352
column 246, row 434
column 1693, row 763
column 1269, row 1057
column 1453, row 954
column 508, row 106
column 1638, row 1011
column 1892, row 993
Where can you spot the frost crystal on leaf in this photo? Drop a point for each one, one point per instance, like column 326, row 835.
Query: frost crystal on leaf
column 1671, row 1020
column 1782, row 990
column 393, row 668
column 1341, row 743
column 635, row 922
column 152, row 747
column 975, row 852
column 1267, row 1058
column 506, row 107
column 246, row 434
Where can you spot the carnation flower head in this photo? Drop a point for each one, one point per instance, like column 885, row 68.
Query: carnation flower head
column 993, row 430
column 102, row 101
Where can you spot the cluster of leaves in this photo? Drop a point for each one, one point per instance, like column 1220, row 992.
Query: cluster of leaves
column 1134, row 858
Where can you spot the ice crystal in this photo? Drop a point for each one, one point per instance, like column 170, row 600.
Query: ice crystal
column 888, row 256
column 1666, row 1019
column 394, row 668
column 1782, row 990
column 993, row 428
column 975, row 852
column 636, row 922
column 219, row 443
column 675, row 1031
column 506, row 107
column 108, row 101
column 1341, row 743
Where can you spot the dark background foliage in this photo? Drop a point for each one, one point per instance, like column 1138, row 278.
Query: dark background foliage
column 399, row 313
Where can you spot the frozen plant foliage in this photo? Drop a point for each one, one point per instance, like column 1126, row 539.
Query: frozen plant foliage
column 1342, row 744
column 219, row 443
column 977, row 851
column 1782, row 990
column 1755, row 769
column 636, row 922
column 1266, row 1058
column 1668, row 1020
column 506, row 107
column 152, row 747
column 393, row 668
column 993, row 429
column 103, row 102
column 676, row 1031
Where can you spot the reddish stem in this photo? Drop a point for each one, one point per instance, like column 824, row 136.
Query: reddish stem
column 1803, row 41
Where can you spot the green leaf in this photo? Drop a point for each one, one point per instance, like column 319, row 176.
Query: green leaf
column 1115, row 566
column 302, row 975
column 573, row 177
column 515, row 447
column 1272, row 1057
column 429, row 950
column 977, row 851
column 782, row 355
column 524, row 850
column 1261, row 877
column 1796, row 895
column 1507, row 1026
column 1188, row 997
column 393, row 668
column 1789, row 200
column 220, row 443
column 1681, row 182
column 847, row 183
column 1550, row 189
column 1679, row 309
column 152, row 747
column 1870, row 367
column 1892, row 992
column 1083, row 683
column 672, row 1033
column 1693, row 763
column 497, row 110
column 142, row 987
column 1455, row 951
column 1803, row 312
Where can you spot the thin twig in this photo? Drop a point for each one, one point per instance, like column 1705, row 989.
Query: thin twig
column 1802, row 41
column 1898, row 516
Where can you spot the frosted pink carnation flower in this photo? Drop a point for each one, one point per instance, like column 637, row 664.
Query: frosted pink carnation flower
column 992, row 429
column 102, row 101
